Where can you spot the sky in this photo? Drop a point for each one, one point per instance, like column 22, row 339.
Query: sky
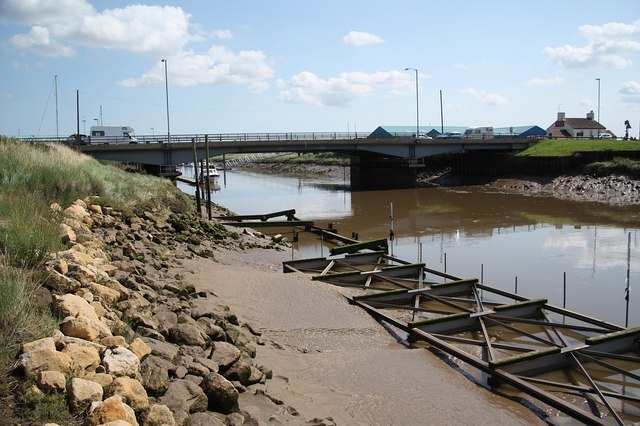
column 248, row 66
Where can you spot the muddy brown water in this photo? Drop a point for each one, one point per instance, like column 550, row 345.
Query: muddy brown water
column 575, row 254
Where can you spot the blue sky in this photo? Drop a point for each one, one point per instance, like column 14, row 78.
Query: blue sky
column 301, row 66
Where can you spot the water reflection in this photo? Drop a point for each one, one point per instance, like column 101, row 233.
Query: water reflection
column 470, row 232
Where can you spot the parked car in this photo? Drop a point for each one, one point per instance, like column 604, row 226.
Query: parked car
column 421, row 136
column 78, row 139
column 450, row 135
column 606, row 136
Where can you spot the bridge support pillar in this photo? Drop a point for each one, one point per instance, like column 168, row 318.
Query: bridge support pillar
column 371, row 173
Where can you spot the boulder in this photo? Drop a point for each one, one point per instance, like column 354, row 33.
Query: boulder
column 61, row 283
column 184, row 397
column 140, row 348
column 158, row 415
column 222, row 395
column 211, row 329
column 52, row 381
column 110, row 410
column 154, row 372
column 224, row 354
column 66, row 233
column 187, row 334
column 103, row 379
column 165, row 350
column 107, row 295
column 84, row 359
column 72, row 305
column 44, row 343
column 44, row 360
column 120, row 361
column 82, row 393
column 84, row 327
column 131, row 391
column 81, row 273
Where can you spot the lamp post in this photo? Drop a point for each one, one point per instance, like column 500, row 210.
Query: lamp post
column 598, row 80
column 166, row 88
column 417, row 110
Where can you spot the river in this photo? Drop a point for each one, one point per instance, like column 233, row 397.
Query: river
column 541, row 245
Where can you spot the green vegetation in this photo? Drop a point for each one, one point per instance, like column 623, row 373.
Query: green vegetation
column 618, row 166
column 562, row 147
column 322, row 158
column 33, row 176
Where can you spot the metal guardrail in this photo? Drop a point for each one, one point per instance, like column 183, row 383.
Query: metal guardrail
column 227, row 137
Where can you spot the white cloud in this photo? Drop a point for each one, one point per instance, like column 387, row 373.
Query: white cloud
column 545, row 81
column 219, row 65
column 485, row 97
column 630, row 91
column 608, row 46
column 306, row 87
column 223, row 34
column 57, row 26
column 360, row 38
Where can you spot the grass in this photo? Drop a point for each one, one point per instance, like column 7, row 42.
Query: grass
column 57, row 173
column 618, row 166
column 32, row 177
column 567, row 147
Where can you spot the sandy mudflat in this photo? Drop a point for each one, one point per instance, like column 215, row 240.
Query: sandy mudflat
column 331, row 359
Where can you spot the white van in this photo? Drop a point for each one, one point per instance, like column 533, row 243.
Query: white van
column 112, row 135
column 485, row 132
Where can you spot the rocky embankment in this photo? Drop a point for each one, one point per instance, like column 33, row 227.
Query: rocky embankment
column 136, row 345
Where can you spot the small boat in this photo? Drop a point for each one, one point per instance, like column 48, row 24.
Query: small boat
column 212, row 173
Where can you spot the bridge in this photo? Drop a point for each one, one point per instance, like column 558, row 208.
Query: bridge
column 375, row 163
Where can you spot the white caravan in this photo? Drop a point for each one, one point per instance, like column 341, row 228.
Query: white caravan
column 112, row 135
column 479, row 133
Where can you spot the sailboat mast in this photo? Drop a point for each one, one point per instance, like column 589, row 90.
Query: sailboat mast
column 55, row 79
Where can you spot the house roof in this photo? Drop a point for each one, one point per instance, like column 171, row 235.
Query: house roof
column 583, row 123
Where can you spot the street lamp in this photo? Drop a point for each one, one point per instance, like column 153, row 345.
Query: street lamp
column 598, row 80
column 417, row 111
column 166, row 88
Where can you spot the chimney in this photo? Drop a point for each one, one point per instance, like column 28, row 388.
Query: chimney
column 590, row 115
column 560, row 116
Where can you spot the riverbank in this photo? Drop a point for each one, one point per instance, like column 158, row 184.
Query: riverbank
column 612, row 189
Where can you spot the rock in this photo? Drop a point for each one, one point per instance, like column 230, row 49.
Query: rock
column 224, row 354
column 81, row 393
column 165, row 350
column 81, row 273
column 120, row 361
column 84, row 359
column 110, row 410
column 154, row 372
column 184, row 397
column 66, row 234
column 107, row 295
column 84, row 327
column 95, row 208
column 222, row 395
column 103, row 379
column 208, row 325
column 110, row 341
column 140, row 348
column 158, row 415
column 45, row 343
column 165, row 319
column 72, row 305
column 52, row 381
column 187, row 334
column 44, row 360
column 131, row 391
column 59, row 265
column 239, row 371
column 61, row 283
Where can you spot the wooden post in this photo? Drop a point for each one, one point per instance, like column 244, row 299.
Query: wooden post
column 195, row 174
column 206, row 149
